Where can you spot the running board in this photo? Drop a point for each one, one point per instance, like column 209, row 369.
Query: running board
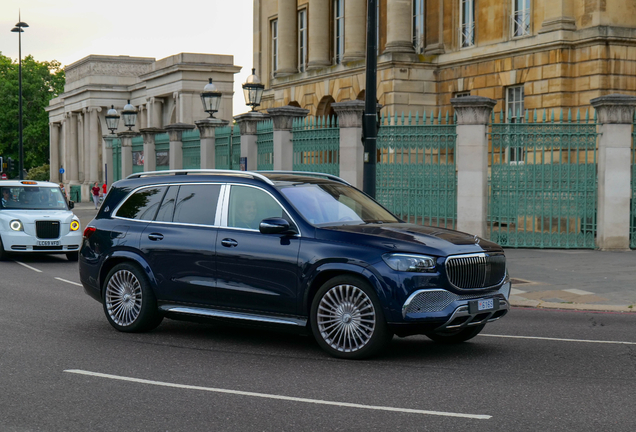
column 215, row 313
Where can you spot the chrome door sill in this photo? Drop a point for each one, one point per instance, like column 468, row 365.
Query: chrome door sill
column 216, row 313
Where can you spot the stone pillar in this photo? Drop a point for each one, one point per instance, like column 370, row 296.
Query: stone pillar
column 64, row 147
column 81, row 132
column 150, row 154
column 471, row 160
column 247, row 124
column 435, row 47
column 94, row 143
column 318, row 40
column 398, row 27
column 355, row 30
column 176, row 145
column 615, row 114
column 72, row 154
column 155, row 113
column 54, row 152
column 126, row 152
column 287, row 38
column 558, row 16
column 283, row 118
column 108, row 144
column 86, row 159
column 207, row 131
column 351, row 146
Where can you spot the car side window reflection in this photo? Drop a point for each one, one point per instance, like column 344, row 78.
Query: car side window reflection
column 196, row 204
column 143, row 204
column 249, row 206
column 166, row 209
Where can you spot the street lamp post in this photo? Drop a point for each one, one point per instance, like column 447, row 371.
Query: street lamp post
column 18, row 29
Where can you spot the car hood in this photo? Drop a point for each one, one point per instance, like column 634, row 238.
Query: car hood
column 409, row 238
column 30, row 216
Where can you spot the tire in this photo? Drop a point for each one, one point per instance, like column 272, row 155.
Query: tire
column 72, row 256
column 129, row 303
column 3, row 253
column 456, row 336
column 347, row 320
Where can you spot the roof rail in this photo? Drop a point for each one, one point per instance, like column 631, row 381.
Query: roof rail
column 309, row 173
column 202, row 171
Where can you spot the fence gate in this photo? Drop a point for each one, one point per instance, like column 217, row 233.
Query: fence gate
column 116, row 159
column 265, row 145
column 416, row 177
column 543, row 182
column 191, row 148
column 316, row 143
column 222, row 137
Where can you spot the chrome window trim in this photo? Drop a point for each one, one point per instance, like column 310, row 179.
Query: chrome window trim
column 252, row 174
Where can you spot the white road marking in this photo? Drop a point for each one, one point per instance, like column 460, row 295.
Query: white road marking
column 560, row 339
column 29, row 267
column 279, row 397
column 514, row 291
column 68, row 281
column 578, row 291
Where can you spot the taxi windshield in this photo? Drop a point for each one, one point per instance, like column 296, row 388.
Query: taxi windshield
column 32, row 198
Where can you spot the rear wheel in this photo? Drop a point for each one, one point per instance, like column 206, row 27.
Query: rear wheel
column 347, row 319
column 72, row 256
column 456, row 336
column 129, row 303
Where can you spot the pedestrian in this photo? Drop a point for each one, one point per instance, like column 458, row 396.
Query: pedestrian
column 104, row 189
column 96, row 190
column 63, row 191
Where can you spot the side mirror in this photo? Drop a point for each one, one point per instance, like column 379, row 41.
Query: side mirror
column 71, row 205
column 275, row 226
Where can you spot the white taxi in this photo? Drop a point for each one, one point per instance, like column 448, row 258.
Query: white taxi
column 35, row 217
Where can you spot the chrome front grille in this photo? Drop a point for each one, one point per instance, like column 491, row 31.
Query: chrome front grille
column 434, row 301
column 474, row 271
column 47, row 229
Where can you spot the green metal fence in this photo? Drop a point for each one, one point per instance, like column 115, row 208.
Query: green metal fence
column 191, row 147
column 162, row 152
column 632, row 219
column 137, row 154
column 222, row 139
column 236, row 148
column 416, row 177
column 265, row 145
column 543, row 181
column 116, row 159
column 316, row 143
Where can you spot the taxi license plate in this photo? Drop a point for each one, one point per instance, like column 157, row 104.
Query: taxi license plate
column 48, row 242
column 483, row 305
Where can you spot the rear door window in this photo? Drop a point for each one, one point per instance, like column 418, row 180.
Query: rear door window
column 143, row 204
column 196, row 204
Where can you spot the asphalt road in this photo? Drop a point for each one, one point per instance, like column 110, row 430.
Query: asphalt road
column 63, row 368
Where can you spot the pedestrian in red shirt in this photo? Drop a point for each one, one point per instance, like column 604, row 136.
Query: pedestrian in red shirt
column 96, row 190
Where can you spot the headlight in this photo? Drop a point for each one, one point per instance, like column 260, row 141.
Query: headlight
column 16, row 225
column 75, row 225
column 410, row 263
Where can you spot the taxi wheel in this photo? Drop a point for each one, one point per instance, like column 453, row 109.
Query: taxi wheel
column 129, row 302
column 456, row 336
column 3, row 254
column 72, row 256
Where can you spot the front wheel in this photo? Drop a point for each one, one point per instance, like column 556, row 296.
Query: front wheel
column 347, row 319
column 72, row 256
column 456, row 336
column 129, row 303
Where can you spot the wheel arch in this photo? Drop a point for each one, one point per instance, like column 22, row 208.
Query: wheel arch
column 119, row 257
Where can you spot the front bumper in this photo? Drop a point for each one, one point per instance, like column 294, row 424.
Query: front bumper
column 20, row 241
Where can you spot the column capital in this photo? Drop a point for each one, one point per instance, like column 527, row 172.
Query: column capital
column 247, row 122
column 148, row 134
column 126, row 137
column 108, row 139
column 350, row 113
column 208, row 125
column 473, row 110
column 176, row 129
column 284, row 116
column 615, row 108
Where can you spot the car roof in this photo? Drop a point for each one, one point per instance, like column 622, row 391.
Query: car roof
column 14, row 183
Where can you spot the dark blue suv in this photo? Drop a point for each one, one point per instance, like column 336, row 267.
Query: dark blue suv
column 296, row 250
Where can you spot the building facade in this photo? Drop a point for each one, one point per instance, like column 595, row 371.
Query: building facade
column 164, row 92
column 525, row 54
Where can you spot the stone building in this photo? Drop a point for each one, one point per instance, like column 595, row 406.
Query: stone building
column 525, row 54
column 164, row 92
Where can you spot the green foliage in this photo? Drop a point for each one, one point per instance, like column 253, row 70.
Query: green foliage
column 41, row 82
column 40, row 173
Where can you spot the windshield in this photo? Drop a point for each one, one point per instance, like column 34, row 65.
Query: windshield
column 335, row 204
column 33, row 198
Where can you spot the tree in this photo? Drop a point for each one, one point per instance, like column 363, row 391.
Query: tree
column 41, row 82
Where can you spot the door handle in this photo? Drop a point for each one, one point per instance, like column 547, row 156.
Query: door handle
column 227, row 242
column 155, row 236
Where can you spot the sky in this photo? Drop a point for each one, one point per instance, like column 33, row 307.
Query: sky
column 69, row 30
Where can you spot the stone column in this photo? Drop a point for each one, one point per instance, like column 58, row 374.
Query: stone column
column 176, row 145
column 86, row 151
column 72, row 154
column 81, row 132
column 615, row 114
column 64, row 147
column 150, row 154
column 155, row 112
column 247, row 124
column 318, row 40
column 94, row 143
column 207, row 131
column 108, row 144
column 471, row 160
column 126, row 152
column 398, row 27
column 287, row 38
column 355, row 30
column 558, row 16
column 283, row 118
column 351, row 147
column 54, row 152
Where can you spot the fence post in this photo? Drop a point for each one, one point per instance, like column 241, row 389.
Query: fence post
column 150, row 155
column 351, row 148
column 471, row 160
column 176, row 145
column 615, row 115
column 108, row 158
column 283, row 118
column 247, row 124
column 207, row 128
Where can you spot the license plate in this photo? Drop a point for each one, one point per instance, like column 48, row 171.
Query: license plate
column 483, row 305
column 48, row 242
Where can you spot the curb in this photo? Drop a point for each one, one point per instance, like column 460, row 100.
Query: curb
column 521, row 302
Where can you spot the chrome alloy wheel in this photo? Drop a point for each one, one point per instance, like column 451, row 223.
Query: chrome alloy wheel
column 123, row 298
column 346, row 318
